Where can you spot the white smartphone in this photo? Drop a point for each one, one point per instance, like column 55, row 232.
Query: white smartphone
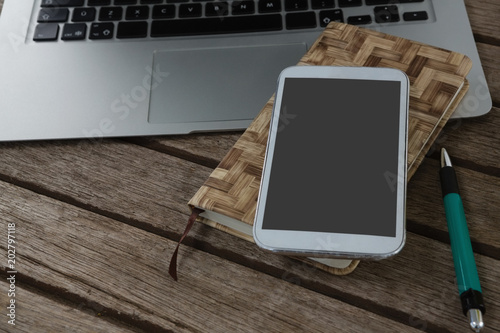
column 334, row 176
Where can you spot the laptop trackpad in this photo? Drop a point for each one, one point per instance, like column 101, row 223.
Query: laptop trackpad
column 217, row 84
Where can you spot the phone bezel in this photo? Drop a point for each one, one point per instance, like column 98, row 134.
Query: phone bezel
column 325, row 244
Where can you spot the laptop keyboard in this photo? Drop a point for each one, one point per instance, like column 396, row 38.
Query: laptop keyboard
column 73, row 20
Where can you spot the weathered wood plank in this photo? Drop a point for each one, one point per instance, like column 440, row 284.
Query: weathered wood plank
column 204, row 148
column 369, row 284
column 122, row 270
column 36, row 313
column 473, row 146
column 484, row 18
column 426, row 300
column 104, row 178
column 425, row 210
column 117, row 179
column 491, row 66
column 473, row 142
column 151, row 190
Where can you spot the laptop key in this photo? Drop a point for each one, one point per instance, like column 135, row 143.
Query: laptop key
column 349, row 3
column 380, row 2
column 292, row 5
column 110, row 14
column 137, row 13
column 327, row 16
column 74, row 31
column 243, row 7
column 384, row 14
column 322, row 4
column 132, row 29
column 61, row 3
column 101, row 30
column 83, row 14
column 269, row 6
column 163, row 11
column 99, row 2
column 46, row 32
column 386, row 2
column 300, row 20
column 53, row 15
column 205, row 26
column 190, row 10
column 361, row 19
column 124, row 2
column 415, row 16
column 219, row 8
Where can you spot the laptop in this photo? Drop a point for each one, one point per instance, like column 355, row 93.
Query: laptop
column 114, row 68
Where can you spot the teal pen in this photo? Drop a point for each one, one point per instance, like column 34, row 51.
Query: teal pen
column 469, row 287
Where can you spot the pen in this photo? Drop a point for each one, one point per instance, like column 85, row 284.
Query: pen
column 469, row 287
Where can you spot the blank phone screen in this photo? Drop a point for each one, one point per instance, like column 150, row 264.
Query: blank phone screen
column 336, row 157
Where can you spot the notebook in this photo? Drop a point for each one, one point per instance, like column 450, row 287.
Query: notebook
column 108, row 68
column 228, row 198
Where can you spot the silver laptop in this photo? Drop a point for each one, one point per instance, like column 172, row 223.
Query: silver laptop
column 111, row 68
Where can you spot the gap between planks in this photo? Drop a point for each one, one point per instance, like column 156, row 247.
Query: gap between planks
column 374, row 273
column 86, row 256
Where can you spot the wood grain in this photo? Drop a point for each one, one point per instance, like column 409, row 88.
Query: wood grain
column 113, row 178
column 474, row 142
column 484, row 17
column 61, row 172
column 489, row 60
column 97, row 218
column 207, row 149
column 54, row 314
column 425, row 211
column 71, row 248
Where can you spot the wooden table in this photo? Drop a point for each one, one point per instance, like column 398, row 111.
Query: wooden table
column 97, row 222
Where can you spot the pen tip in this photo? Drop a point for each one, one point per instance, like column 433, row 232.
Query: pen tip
column 445, row 158
column 476, row 320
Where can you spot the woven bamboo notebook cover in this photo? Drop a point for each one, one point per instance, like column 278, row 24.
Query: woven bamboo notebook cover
column 437, row 84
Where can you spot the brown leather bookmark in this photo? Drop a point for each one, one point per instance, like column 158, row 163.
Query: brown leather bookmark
column 172, row 270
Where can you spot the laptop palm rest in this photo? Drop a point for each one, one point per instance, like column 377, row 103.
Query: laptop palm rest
column 241, row 80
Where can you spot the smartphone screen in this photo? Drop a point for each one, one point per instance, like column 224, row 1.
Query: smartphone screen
column 335, row 157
